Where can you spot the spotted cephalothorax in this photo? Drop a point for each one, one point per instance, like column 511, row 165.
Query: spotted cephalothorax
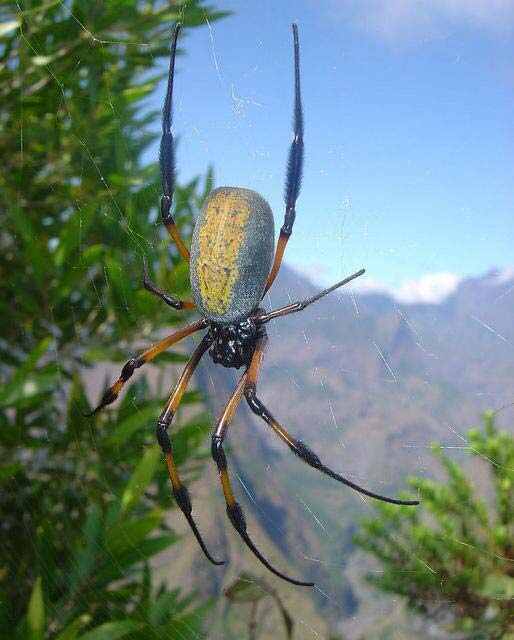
column 232, row 265
column 233, row 344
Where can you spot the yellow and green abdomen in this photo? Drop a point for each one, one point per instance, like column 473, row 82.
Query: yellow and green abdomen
column 231, row 253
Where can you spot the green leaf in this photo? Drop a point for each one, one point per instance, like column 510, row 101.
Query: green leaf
column 119, row 288
column 20, row 386
column 110, row 631
column 126, row 562
column 78, row 404
column 126, row 535
column 86, row 554
column 36, row 612
column 133, row 423
column 141, row 478
column 138, row 91
column 162, row 607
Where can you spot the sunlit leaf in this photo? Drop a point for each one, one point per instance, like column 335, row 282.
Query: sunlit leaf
column 36, row 612
column 7, row 27
column 141, row 477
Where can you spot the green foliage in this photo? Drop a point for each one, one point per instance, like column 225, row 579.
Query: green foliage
column 82, row 501
column 452, row 558
column 86, row 577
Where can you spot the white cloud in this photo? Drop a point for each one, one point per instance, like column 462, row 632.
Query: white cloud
column 432, row 288
column 400, row 21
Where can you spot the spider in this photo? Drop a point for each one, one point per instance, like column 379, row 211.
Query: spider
column 232, row 265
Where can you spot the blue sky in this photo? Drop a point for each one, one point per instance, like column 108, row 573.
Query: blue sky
column 409, row 130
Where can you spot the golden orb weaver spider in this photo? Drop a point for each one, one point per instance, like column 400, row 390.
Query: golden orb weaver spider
column 232, row 265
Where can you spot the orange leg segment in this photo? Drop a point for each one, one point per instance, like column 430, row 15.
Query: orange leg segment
column 152, row 352
column 180, row 492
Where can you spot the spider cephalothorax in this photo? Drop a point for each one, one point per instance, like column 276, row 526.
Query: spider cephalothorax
column 233, row 344
column 233, row 262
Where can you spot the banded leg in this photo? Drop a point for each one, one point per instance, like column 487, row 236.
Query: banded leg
column 167, row 156
column 165, row 297
column 294, row 168
column 308, row 456
column 113, row 391
column 234, row 511
column 180, row 492
column 300, row 306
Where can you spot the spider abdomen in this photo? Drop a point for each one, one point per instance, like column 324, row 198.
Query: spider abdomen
column 231, row 254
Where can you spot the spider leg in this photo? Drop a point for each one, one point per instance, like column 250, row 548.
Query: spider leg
column 234, row 511
column 307, row 455
column 113, row 391
column 300, row 306
column 165, row 297
column 167, row 155
column 294, row 168
column 180, row 492
column 297, row 446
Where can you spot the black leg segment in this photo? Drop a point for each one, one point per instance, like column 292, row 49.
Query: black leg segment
column 295, row 160
column 167, row 150
column 308, row 456
column 234, row 511
column 167, row 154
column 294, row 167
column 150, row 286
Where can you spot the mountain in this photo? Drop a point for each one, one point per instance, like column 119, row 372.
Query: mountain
column 368, row 383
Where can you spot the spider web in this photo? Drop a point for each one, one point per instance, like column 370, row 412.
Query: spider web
column 368, row 378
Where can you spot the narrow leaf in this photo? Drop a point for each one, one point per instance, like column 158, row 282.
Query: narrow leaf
column 36, row 612
column 141, row 478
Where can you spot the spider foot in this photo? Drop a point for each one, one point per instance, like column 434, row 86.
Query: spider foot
column 112, row 393
column 308, row 456
column 184, row 502
column 237, row 518
column 108, row 397
column 160, row 293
